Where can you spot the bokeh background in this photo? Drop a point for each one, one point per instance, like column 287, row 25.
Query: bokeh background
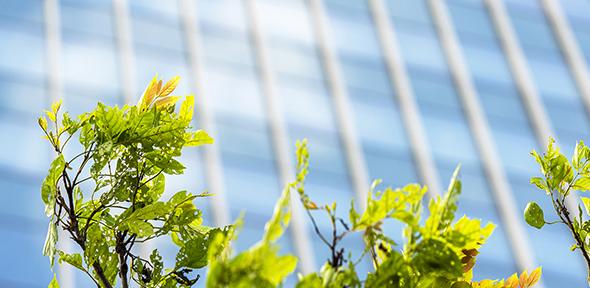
column 402, row 90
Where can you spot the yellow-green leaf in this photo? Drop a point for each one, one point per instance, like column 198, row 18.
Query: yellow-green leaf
column 43, row 123
column 586, row 202
column 55, row 106
column 164, row 102
column 186, row 108
column 53, row 283
column 169, row 86
column 198, row 138
column 582, row 184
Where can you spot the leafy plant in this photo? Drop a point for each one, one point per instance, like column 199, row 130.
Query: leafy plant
column 561, row 178
column 108, row 198
column 437, row 252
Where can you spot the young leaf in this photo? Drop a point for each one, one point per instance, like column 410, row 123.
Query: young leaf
column 53, row 283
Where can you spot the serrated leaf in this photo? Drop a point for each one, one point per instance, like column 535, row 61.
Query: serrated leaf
column 533, row 215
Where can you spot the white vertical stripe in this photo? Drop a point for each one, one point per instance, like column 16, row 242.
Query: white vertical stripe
column 518, row 65
column 524, row 81
column 211, row 155
column 280, row 140
column 125, row 49
column 344, row 113
column 405, row 95
column 66, row 273
column 483, row 138
column 569, row 48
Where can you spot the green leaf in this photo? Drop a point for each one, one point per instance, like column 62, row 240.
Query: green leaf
column 539, row 182
column 72, row 259
column 533, row 215
column 53, row 283
column 436, row 257
column 49, row 186
column 581, row 154
column 186, row 109
column 582, row 184
column 42, row 123
column 586, row 202
column 198, row 138
column 280, row 219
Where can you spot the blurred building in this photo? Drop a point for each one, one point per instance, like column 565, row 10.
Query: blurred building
column 402, row 90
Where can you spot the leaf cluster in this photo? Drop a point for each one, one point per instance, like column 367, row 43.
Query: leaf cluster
column 560, row 179
column 108, row 196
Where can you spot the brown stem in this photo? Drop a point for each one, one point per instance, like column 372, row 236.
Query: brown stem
column 577, row 237
column 123, row 268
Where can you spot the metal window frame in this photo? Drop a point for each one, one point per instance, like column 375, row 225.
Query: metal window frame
column 280, row 139
column 211, row 154
column 520, row 70
column 493, row 168
column 398, row 76
column 51, row 11
column 344, row 114
column 569, row 48
column 125, row 49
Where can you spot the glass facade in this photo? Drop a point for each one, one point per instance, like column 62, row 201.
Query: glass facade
column 87, row 65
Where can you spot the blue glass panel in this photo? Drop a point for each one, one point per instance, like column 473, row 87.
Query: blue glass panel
column 576, row 8
column 243, row 140
column 87, row 20
column 246, row 186
column 31, row 10
column 225, row 13
column 89, row 64
column 354, row 34
column 422, row 50
column 286, row 20
column 242, row 97
column 220, row 46
column 307, row 106
column 16, row 42
column 33, row 156
column 379, row 125
column 296, row 60
column 23, row 97
column 532, row 32
column 413, row 10
column 468, row 19
column 150, row 32
column 368, row 75
column 23, row 258
column 553, row 79
column 396, row 169
column 488, row 63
